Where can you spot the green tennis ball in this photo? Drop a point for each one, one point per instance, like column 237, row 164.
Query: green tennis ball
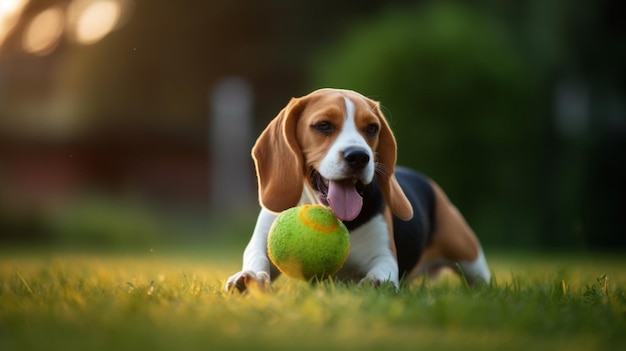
column 308, row 241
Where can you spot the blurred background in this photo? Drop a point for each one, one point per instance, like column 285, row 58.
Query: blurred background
column 128, row 123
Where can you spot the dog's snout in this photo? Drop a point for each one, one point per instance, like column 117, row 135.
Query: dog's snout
column 355, row 157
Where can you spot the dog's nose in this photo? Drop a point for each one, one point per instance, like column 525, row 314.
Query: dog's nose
column 356, row 158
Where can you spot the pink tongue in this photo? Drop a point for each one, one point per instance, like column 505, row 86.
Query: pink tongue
column 344, row 200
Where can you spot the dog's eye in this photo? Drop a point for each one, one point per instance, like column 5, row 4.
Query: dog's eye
column 371, row 129
column 324, row 127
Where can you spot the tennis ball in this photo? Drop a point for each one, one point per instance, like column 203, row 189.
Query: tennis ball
column 308, row 241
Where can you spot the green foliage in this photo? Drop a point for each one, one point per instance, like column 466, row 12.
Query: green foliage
column 458, row 93
column 164, row 301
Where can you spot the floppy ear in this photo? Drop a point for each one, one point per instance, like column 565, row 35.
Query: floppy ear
column 279, row 162
column 385, row 175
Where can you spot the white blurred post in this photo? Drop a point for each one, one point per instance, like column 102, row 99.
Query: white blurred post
column 572, row 105
column 230, row 135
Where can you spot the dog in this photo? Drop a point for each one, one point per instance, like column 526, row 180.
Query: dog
column 334, row 147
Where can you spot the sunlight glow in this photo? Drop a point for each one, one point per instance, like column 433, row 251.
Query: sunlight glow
column 83, row 22
column 43, row 31
column 11, row 6
column 93, row 20
column 10, row 11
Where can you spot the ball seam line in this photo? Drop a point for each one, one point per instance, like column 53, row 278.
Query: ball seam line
column 307, row 221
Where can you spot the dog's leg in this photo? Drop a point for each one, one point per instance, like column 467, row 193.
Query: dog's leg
column 476, row 271
column 256, row 264
column 371, row 254
column 454, row 244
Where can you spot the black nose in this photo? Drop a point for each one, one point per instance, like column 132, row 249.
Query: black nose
column 357, row 158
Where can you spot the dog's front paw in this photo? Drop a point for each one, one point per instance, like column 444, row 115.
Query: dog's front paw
column 244, row 280
column 377, row 281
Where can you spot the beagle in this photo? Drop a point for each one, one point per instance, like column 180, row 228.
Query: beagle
column 334, row 147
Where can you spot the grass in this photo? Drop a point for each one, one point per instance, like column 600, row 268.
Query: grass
column 157, row 301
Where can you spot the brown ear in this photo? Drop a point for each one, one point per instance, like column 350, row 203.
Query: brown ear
column 386, row 164
column 278, row 161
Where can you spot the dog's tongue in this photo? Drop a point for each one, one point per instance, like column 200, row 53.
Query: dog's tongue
column 344, row 200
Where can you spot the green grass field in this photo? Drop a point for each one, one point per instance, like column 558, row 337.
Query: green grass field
column 174, row 301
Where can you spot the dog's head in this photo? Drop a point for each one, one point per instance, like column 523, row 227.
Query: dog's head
column 336, row 140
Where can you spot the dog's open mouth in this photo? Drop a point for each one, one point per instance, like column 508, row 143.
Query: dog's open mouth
column 343, row 196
